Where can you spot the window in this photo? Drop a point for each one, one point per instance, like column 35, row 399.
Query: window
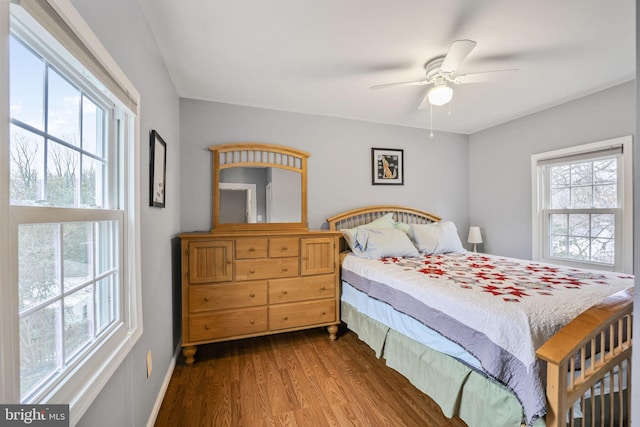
column 582, row 205
column 72, row 197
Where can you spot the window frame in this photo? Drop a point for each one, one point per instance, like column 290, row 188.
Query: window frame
column 623, row 214
column 87, row 378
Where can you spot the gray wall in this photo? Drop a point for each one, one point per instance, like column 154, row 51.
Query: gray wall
column 339, row 169
column 128, row 397
column 499, row 161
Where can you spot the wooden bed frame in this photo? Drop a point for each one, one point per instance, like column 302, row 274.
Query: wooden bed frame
column 604, row 329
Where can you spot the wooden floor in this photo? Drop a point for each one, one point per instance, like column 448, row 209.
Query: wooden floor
column 294, row 379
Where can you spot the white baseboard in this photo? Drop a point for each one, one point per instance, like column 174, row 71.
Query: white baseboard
column 163, row 388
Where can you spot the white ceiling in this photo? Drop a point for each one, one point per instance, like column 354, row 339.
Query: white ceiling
column 321, row 57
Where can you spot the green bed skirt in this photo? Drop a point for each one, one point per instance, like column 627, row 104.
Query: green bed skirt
column 456, row 388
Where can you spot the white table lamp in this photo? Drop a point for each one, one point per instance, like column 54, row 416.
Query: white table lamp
column 474, row 236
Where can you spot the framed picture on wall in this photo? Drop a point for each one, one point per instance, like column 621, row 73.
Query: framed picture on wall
column 387, row 166
column 158, row 168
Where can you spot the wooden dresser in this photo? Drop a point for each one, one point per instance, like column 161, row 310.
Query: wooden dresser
column 238, row 284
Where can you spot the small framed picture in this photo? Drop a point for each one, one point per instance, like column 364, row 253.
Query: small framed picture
column 387, row 166
column 158, row 168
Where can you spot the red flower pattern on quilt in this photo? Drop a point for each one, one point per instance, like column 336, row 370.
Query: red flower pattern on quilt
column 500, row 277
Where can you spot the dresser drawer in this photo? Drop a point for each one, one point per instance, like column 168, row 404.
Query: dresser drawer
column 227, row 323
column 227, row 295
column 301, row 289
column 266, row 268
column 252, row 248
column 285, row 316
column 284, row 247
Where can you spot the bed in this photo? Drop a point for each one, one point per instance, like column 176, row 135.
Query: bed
column 494, row 340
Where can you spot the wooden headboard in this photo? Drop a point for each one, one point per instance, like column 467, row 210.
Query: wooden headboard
column 365, row 215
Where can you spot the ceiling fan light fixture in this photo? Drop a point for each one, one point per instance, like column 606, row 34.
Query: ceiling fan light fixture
column 440, row 94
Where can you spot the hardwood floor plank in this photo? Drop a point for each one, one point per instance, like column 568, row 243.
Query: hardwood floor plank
column 294, row 379
column 254, row 403
column 313, row 416
column 283, row 419
column 349, row 414
column 281, row 399
column 257, row 368
column 298, row 389
column 306, row 388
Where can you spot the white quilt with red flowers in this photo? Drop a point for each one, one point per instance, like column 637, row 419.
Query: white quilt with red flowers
column 499, row 309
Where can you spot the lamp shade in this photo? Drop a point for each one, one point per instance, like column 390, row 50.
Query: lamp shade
column 474, row 235
column 440, row 94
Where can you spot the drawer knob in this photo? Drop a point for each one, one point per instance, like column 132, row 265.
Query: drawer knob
column 253, row 322
column 252, row 271
column 285, row 269
column 252, row 295
column 252, row 249
column 206, row 299
column 284, row 248
column 286, row 318
column 206, row 327
column 324, row 288
column 284, row 292
column 323, row 313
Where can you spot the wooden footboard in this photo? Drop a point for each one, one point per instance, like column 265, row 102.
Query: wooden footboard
column 593, row 389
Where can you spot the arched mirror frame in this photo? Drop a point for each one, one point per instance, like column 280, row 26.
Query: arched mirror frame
column 258, row 155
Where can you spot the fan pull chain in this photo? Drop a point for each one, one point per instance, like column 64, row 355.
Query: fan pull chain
column 431, row 119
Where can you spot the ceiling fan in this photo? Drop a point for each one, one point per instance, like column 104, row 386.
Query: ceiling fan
column 441, row 74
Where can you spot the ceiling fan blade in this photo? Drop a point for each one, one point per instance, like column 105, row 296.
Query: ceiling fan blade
column 425, row 102
column 411, row 83
column 487, row 76
column 458, row 52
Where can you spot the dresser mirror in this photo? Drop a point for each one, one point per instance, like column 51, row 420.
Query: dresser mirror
column 259, row 187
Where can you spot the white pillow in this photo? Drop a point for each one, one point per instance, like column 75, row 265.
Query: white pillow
column 377, row 243
column 385, row 222
column 437, row 237
column 403, row 226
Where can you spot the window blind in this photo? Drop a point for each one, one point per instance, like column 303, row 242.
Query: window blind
column 612, row 151
column 47, row 16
